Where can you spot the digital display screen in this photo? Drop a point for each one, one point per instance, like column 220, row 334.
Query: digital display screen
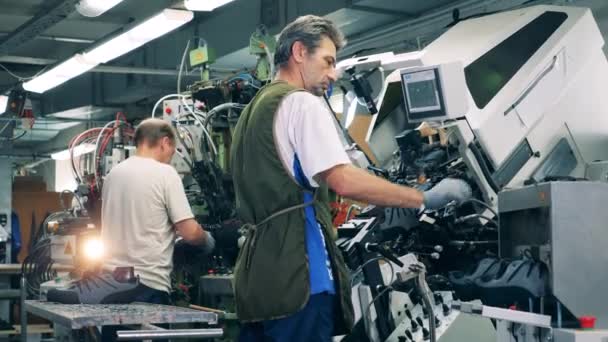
column 421, row 91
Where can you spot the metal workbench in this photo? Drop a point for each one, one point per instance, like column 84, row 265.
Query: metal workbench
column 70, row 320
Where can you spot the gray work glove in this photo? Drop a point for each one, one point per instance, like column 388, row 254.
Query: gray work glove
column 209, row 244
column 446, row 191
column 207, row 247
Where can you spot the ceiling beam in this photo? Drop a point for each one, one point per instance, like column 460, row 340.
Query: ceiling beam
column 36, row 25
column 384, row 11
column 26, row 60
column 59, row 39
column 138, row 71
column 110, row 68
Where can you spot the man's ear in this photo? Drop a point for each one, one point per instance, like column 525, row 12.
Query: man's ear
column 165, row 141
column 299, row 52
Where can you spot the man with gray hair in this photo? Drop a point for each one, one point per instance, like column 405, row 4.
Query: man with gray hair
column 291, row 283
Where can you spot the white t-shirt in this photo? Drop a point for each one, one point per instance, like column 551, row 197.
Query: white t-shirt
column 142, row 199
column 304, row 127
column 308, row 142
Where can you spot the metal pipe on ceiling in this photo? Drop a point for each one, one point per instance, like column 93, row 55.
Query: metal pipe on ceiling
column 26, row 60
column 59, row 39
column 112, row 69
column 140, row 71
column 33, row 156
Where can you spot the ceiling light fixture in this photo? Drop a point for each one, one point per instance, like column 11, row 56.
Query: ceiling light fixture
column 78, row 151
column 95, row 8
column 64, row 71
column 138, row 35
column 3, row 103
column 156, row 26
column 204, row 5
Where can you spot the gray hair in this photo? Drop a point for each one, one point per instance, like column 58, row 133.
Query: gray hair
column 309, row 30
column 152, row 130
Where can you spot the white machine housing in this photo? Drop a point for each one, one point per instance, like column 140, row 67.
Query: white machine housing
column 553, row 89
column 535, row 91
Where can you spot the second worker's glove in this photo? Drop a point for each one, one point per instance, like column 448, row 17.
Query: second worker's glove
column 209, row 244
column 446, row 191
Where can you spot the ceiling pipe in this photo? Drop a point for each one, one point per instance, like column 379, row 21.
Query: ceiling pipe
column 113, row 69
column 59, row 39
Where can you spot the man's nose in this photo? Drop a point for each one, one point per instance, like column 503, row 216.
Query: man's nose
column 333, row 75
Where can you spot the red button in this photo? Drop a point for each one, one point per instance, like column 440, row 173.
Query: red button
column 168, row 110
column 587, row 322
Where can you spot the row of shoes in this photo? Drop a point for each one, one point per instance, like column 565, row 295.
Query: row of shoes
column 500, row 282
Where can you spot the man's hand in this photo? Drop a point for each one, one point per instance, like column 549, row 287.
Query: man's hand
column 446, row 191
column 209, row 245
column 426, row 130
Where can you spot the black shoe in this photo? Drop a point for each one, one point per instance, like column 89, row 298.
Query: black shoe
column 465, row 283
column 521, row 280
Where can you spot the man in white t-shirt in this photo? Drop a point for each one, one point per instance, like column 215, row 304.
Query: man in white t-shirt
column 144, row 209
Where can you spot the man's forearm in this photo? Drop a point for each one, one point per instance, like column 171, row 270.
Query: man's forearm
column 193, row 233
column 354, row 183
column 198, row 237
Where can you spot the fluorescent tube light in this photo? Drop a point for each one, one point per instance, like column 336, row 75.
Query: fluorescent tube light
column 78, row 151
column 94, row 8
column 150, row 29
column 3, row 103
column 160, row 24
column 204, row 5
column 66, row 70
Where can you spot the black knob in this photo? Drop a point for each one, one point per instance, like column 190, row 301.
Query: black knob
column 437, row 321
column 408, row 313
column 402, row 339
column 409, row 334
column 426, row 335
column 425, row 312
column 414, row 326
column 438, row 298
column 419, row 320
column 446, row 309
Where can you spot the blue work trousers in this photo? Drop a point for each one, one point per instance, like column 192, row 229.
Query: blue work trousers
column 314, row 323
